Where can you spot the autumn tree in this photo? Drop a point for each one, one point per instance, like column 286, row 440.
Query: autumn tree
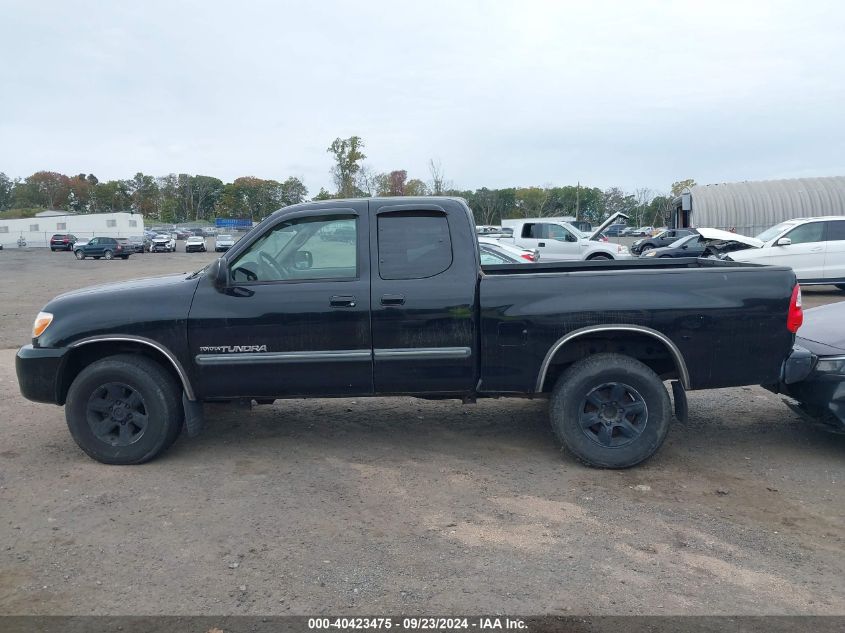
column 393, row 183
column 347, row 155
column 46, row 189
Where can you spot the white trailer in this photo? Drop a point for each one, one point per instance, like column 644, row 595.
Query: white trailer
column 38, row 230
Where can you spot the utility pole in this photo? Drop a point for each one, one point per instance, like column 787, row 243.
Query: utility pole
column 578, row 201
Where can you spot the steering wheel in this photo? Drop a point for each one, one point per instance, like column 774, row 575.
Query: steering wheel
column 281, row 271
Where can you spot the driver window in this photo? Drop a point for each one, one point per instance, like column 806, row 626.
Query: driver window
column 322, row 247
column 806, row 233
column 557, row 232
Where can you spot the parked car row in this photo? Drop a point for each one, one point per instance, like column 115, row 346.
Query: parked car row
column 122, row 247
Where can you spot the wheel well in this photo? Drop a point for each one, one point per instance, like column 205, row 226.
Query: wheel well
column 646, row 348
column 80, row 357
column 600, row 254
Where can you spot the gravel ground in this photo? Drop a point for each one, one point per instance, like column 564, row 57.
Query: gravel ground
column 398, row 505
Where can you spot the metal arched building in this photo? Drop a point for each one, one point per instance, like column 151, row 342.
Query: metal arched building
column 752, row 207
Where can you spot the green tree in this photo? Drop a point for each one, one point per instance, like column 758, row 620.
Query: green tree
column 323, row 195
column 678, row 187
column 205, row 192
column 7, row 187
column 293, row 191
column 111, row 196
column 144, row 191
column 530, row 202
column 416, row 187
column 347, row 155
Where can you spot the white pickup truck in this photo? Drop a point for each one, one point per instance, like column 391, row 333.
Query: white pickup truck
column 557, row 240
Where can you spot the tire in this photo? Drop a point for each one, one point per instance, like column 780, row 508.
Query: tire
column 645, row 248
column 124, row 257
column 79, row 254
column 840, row 286
column 108, row 255
column 665, row 257
column 125, row 379
column 636, row 435
column 600, row 256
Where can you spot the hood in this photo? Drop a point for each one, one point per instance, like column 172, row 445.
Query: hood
column 823, row 325
column 133, row 285
column 613, row 217
column 717, row 235
column 161, row 238
column 139, row 307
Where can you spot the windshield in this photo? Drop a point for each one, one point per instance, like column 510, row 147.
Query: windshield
column 224, row 237
column 776, row 230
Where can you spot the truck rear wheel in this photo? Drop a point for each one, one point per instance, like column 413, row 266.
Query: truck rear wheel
column 610, row 411
column 124, row 409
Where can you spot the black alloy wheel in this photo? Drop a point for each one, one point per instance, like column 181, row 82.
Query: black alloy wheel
column 613, row 415
column 116, row 414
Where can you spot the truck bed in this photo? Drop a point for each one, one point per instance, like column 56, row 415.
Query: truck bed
column 727, row 320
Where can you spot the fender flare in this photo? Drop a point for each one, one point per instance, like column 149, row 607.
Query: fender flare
column 678, row 358
column 170, row 356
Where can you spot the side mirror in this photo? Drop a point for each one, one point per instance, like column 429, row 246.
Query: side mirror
column 303, row 260
column 219, row 273
column 784, row 241
column 684, row 247
column 571, row 238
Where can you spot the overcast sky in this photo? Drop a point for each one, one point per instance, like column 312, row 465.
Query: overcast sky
column 502, row 93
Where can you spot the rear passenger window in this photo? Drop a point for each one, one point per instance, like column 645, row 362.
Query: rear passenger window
column 836, row 231
column 413, row 245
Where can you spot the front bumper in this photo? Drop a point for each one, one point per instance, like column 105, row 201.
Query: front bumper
column 820, row 394
column 38, row 370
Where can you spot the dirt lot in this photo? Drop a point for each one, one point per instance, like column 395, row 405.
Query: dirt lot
column 398, row 505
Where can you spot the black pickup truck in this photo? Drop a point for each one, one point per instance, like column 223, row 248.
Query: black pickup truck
column 373, row 297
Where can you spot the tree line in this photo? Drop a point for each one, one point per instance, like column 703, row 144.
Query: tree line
column 185, row 197
column 171, row 198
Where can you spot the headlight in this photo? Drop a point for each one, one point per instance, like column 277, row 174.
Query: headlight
column 42, row 322
column 831, row 366
column 649, row 254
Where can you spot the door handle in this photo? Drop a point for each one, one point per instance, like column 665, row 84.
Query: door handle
column 392, row 300
column 817, row 249
column 342, row 301
column 541, row 244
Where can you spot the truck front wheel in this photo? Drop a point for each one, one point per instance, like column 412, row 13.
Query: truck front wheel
column 610, row 411
column 124, row 409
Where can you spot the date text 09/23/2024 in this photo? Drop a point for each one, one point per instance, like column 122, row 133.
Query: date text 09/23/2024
column 480, row 623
